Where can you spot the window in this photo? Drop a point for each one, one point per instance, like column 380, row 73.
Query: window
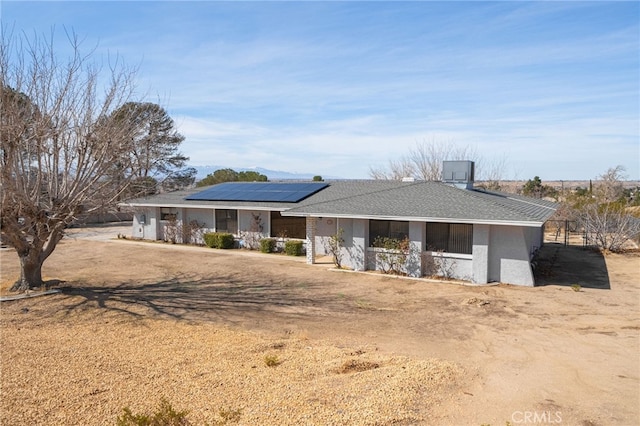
column 227, row 221
column 167, row 213
column 289, row 227
column 387, row 229
column 450, row 237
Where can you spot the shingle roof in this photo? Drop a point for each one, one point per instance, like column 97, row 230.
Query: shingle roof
column 427, row 201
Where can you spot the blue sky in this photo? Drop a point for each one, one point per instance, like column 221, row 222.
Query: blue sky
column 334, row 88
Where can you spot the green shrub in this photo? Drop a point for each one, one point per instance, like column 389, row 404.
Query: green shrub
column 211, row 239
column 225, row 240
column 293, row 248
column 164, row 416
column 267, row 245
column 221, row 240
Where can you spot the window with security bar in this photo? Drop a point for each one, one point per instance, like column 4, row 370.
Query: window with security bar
column 167, row 213
column 227, row 221
column 450, row 237
column 288, row 226
column 394, row 229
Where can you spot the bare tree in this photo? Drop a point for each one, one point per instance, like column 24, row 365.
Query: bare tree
column 603, row 212
column 609, row 188
column 59, row 144
column 608, row 226
column 424, row 162
column 493, row 173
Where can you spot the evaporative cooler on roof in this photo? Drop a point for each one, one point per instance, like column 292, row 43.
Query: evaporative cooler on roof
column 280, row 192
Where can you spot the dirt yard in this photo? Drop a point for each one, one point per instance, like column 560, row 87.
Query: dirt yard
column 136, row 322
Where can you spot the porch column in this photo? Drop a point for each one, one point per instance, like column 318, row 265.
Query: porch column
column 311, row 240
column 417, row 236
column 360, row 235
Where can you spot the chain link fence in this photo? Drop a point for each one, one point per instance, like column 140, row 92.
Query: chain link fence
column 567, row 232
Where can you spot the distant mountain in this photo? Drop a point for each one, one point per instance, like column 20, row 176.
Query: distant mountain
column 203, row 171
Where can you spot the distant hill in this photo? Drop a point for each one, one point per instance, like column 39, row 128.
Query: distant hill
column 203, row 171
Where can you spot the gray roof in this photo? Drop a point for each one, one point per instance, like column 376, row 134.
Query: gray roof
column 383, row 199
column 433, row 201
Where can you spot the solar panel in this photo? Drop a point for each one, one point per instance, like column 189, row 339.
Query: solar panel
column 282, row 192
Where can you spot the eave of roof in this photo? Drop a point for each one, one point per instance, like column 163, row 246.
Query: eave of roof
column 390, row 200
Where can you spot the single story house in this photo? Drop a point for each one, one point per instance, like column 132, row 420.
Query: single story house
column 452, row 228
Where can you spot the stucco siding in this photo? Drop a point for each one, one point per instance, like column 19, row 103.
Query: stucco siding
column 145, row 224
column 347, row 246
column 360, row 243
column 325, row 228
column 509, row 256
column 462, row 267
column 534, row 239
column 137, row 230
column 204, row 217
column 417, row 237
column 354, row 254
column 253, row 221
column 480, row 265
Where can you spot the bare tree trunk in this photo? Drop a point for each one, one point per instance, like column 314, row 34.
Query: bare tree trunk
column 30, row 272
column 32, row 257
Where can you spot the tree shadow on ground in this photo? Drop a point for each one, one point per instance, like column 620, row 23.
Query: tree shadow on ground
column 557, row 264
column 195, row 298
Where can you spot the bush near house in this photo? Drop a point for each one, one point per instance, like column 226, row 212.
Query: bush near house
column 293, row 248
column 393, row 259
column 221, row 240
column 267, row 245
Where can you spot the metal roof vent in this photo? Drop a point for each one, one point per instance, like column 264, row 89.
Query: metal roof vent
column 458, row 173
column 409, row 179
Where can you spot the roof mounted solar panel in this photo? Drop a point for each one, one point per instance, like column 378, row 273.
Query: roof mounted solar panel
column 280, row 192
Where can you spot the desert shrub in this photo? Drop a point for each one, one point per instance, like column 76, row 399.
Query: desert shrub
column 165, row 415
column 395, row 256
column 355, row 365
column 438, row 265
column 192, row 232
column 293, row 247
column 222, row 240
column 267, row 245
column 429, row 265
column 447, row 267
column 271, row 360
column 229, row 416
column 251, row 238
column 334, row 246
column 173, row 230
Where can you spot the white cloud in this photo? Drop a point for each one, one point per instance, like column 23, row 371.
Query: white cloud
column 333, row 88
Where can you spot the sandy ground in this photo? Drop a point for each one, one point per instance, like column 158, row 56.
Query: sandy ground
column 498, row 354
